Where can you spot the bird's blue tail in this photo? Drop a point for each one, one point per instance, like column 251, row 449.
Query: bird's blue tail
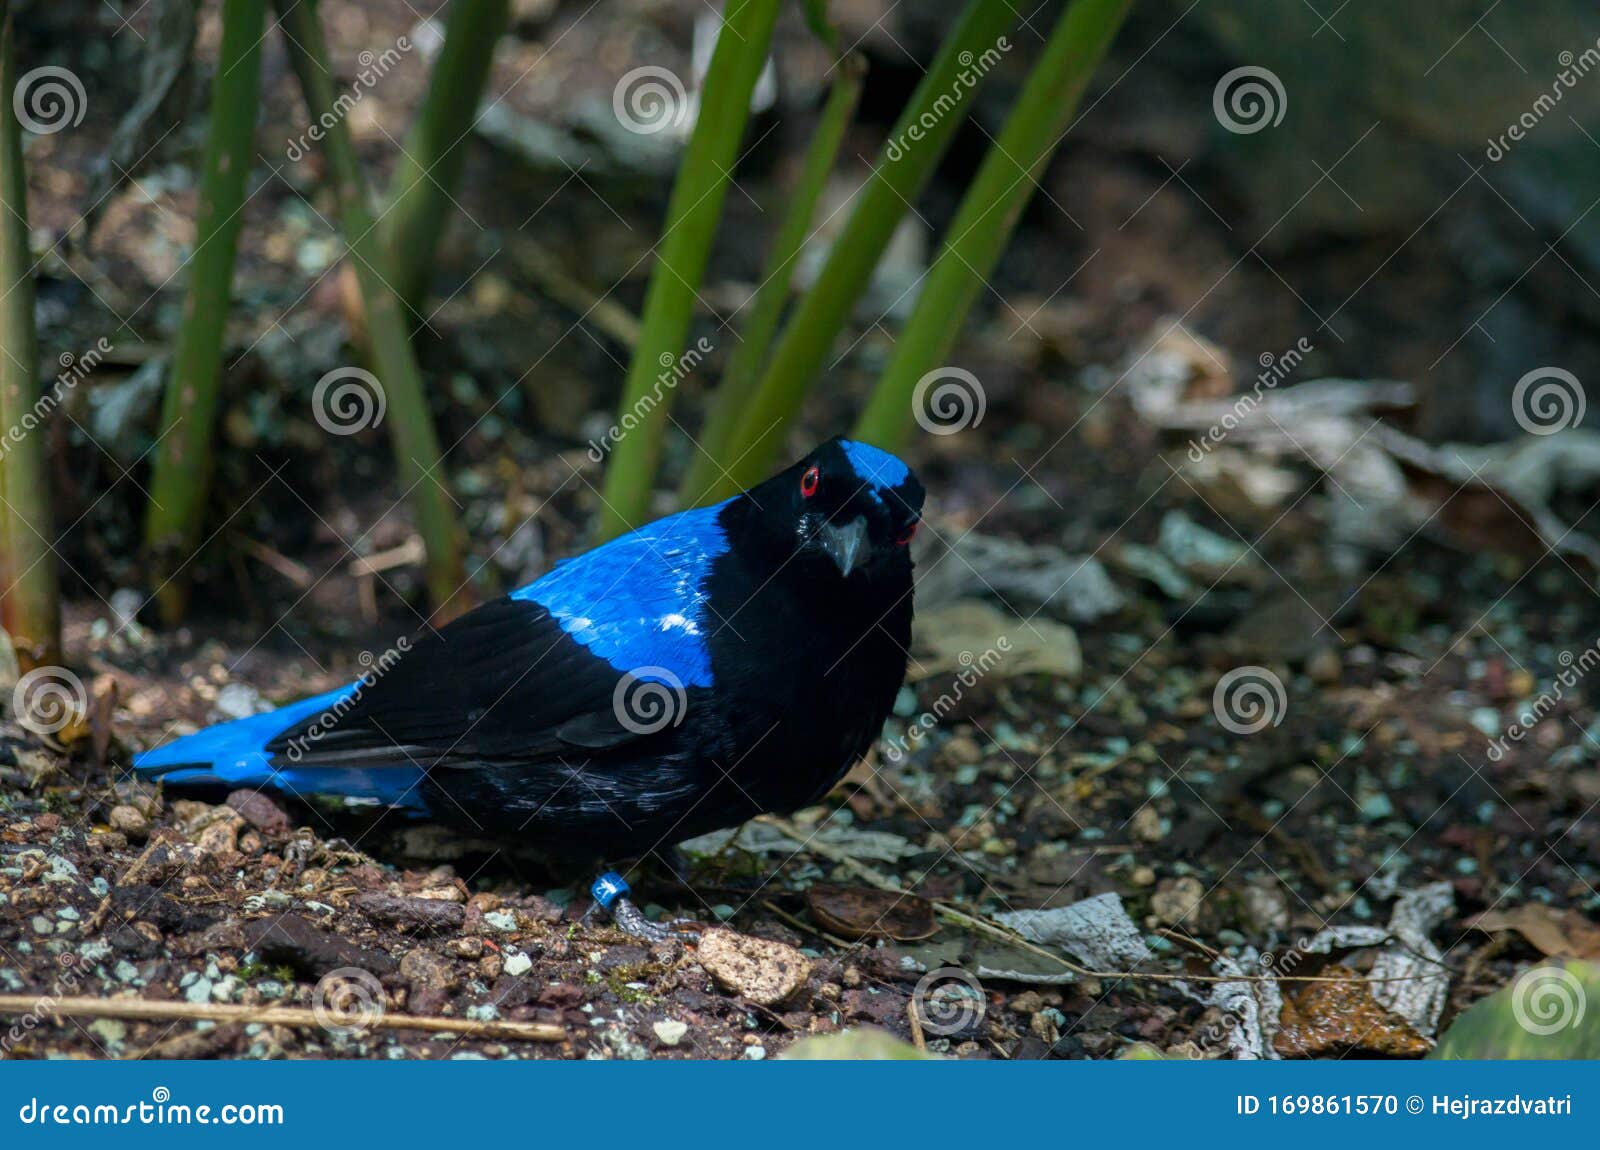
column 233, row 755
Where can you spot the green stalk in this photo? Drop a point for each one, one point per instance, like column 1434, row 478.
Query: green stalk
column 690, row 228
column 416, row 446
column 30, row 609
column 181, row 474
column 743, row 372
column 429, row 168
column 990, row 210
column 921, row 136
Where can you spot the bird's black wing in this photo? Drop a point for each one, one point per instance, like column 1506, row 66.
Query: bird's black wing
column 502, row 682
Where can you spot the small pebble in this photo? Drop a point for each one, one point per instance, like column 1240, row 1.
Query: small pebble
column 670, row 1031
column 517, row 963
column 129, row 821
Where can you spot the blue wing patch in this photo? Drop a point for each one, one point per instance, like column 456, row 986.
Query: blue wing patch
column 874, row 465
column 639, row 601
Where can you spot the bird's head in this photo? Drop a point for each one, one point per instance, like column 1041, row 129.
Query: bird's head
column 848, row 510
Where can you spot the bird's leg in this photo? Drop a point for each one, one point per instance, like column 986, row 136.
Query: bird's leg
column 610, row 893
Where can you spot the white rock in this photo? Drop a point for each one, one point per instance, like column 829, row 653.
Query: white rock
column 670, row 1031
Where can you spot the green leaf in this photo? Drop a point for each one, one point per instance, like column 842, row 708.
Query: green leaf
column 1550, row 1011
column 865, row 1044
column 821, row 27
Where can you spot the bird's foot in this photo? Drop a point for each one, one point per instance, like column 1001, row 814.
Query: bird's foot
column 610, row 893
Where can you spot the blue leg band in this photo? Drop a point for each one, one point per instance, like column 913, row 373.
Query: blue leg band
column 608, row 888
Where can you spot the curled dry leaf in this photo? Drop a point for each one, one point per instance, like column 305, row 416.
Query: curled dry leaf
column 861, row 912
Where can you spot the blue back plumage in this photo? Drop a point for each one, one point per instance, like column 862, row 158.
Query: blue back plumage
column 639, row 601
column 876, row 467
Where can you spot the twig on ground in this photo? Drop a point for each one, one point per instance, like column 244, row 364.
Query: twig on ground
column 144, row 1010
column 993, row 929
column 917, row 1039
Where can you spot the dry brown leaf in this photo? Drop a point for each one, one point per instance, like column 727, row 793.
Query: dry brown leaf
column 1553, row 932
column 862, row 912
column 1341, row 1018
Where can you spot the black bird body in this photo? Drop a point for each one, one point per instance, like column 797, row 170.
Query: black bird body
column 712, row 666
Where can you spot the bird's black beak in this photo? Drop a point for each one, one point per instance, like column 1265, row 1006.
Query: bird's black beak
column 846, row 543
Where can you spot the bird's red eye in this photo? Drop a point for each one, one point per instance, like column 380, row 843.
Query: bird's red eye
column 909, row 533
column 810, row 480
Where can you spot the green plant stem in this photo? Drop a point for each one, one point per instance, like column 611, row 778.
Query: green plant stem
column 30, row 608
column 429, row 168
column 690, row 228
column 743, row 371
column 416, row 445
column 916, row 142
column 180, row 480
column 990, row 210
